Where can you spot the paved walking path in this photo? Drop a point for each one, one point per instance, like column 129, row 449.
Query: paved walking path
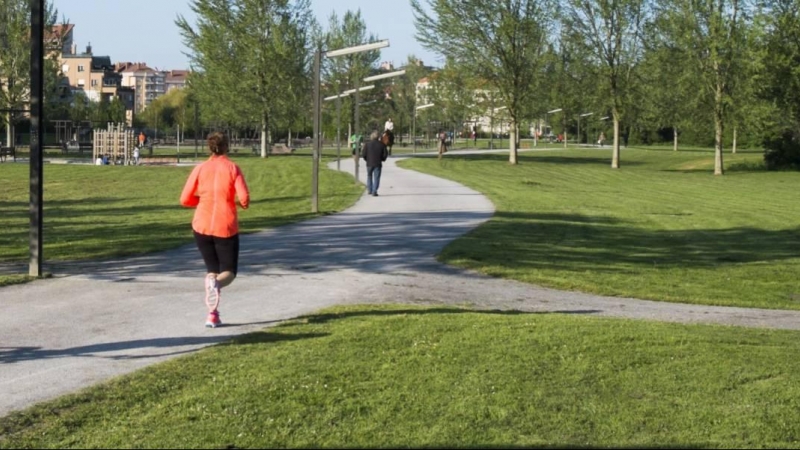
column 99, row 320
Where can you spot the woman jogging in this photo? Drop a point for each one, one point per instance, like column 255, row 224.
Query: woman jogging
column 211, row 188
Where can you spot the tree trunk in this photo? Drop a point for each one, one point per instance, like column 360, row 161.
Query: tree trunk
column 615, row 153
column 264, row 136
column 674, row 139
column 718, row 128
column 733, row 150
column 512, row 157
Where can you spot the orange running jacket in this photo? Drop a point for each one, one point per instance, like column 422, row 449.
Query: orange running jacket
column 211, row 188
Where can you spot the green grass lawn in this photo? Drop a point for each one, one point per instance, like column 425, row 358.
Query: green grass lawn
column 388, row 376
column 662, row 227
column 97, row 212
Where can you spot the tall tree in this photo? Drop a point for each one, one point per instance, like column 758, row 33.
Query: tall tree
column 346, row 72
column 251, row 59
column 782, row 60
column 15, row 58
column 611, row 31
column 669, row 81
column 712, row 33
column 500, row 42
column 453, row 93
column 404, row 94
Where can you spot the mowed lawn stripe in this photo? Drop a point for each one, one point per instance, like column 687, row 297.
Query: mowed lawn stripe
column 398, row 376
column 652, row 229
column 97, row 212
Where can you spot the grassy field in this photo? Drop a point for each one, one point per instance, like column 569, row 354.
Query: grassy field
column 662, row 227
column 370, row 377
column 97, row 212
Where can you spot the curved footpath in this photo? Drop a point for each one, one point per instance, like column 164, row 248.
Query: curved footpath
column 94, row 321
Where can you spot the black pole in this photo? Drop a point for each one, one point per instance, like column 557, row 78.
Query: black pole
column 355, row 129
column 36, row 113
column 338, row 131
column 196, row 131
column 317, row 144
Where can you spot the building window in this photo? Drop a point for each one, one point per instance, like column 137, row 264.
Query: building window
column 81, row 82
column 65, row 68
column 80, row 68
column 94, row 82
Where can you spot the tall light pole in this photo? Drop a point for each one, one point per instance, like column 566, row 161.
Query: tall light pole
column 579, row 125
column 36, row 159
column 318, row 109
column 338, row 99
column 545, row 119
column 414, row 132
column 604, row 118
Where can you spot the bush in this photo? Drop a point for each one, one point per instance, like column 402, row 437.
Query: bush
column 782, row 152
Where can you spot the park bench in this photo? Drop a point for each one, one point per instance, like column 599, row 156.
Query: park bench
column 6, row 152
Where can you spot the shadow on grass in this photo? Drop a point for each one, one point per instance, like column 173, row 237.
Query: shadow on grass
column 401, row 243
column 324, row 318
column 534, row 158
column 577, row 242
column 127, row 350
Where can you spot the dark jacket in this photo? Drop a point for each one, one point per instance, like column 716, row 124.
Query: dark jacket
column 375, row 153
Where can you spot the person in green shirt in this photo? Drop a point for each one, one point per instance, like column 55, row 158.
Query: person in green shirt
column 356, row 140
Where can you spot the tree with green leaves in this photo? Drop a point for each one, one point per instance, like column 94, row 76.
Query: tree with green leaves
column 500, row 43
column 15, row 60
column 454, row 94
column 346, row 72
column 712, row 33
column 250, row 60
column 669, row 85
column 781, row 82
column 611, row 34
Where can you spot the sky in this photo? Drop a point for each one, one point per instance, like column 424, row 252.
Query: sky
column 145, row 31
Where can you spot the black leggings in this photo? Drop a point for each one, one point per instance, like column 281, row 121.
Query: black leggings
column 219, row 254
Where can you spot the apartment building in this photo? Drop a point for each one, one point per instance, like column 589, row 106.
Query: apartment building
column 176, row 79
column 94, row 76
column 147, row 83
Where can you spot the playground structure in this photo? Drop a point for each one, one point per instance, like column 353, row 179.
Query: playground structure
column 116, row 141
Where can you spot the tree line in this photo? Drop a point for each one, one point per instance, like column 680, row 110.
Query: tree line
column 718, row 72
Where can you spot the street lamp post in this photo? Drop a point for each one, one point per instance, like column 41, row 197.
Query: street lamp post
column 546, row 122
column 36, row 159
column 414, row 132
column 338, row 99
column 579, row 125
column 318, row 107
column 604, row 118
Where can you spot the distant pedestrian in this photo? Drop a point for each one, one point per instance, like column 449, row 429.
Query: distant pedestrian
column 442, row 147
column 374, row 153
column 135, row 156
column 601, row 139
column 212, row 188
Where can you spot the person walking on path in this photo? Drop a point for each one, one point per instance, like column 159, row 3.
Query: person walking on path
column 211, row 189
column 374, row 153
column 442, row 147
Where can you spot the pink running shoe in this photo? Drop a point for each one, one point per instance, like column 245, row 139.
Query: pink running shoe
column 212, row 293
column 213, row 320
